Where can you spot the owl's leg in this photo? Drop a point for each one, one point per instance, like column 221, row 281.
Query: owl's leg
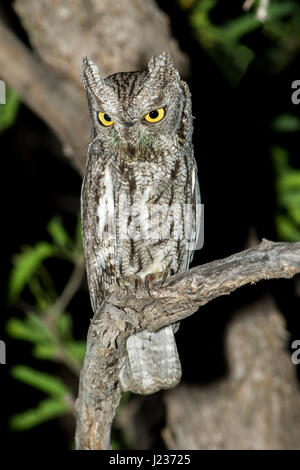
column 156, row 277
column 137, row 283
column 129, row 283
column 132, row 283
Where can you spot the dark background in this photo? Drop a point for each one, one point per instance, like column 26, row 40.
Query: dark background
column 232, row 137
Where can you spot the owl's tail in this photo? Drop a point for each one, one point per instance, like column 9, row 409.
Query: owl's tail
column 152, row 361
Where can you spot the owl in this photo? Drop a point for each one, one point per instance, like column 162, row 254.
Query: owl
column 140, row 201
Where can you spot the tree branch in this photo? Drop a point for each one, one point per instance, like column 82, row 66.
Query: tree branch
column 61, row 33
column 125, row 314
column 47, row 94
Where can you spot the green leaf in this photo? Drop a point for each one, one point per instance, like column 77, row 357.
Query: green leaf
column 294, row 212
column 9, row 111
column 58, row 233
column 46, row 410
column 40, row 380
column 40, row 293
column 280, row 158
column 290, row 200
column 240, row 26
column 36, row 323
column 280, row 9
column 25, row 265
column 248, row 22
column 290, row 180
column 286, row 229
column 76, row 349
column 45, row 351
column 286, row 123
column 64, row 325
column 26, row 330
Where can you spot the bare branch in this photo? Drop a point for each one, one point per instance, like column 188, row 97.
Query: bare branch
column 47, row 94
column 68, row 292
column 122, row 315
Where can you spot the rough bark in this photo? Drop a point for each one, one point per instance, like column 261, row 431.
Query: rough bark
column 126, row 313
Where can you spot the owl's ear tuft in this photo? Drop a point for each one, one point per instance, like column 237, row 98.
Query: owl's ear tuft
column 161, row 67
column 90, row 75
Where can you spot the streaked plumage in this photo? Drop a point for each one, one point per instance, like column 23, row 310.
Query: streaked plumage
column 140, row 173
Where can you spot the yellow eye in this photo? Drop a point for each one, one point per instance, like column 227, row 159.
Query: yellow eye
column 105, row 119
column 155, row 115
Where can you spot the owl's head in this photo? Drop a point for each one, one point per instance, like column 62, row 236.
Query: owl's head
column 138, row 110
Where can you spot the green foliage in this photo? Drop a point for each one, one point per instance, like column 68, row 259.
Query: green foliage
column 45, row 342
column 59, row 234
column 52, row 407
column 288, row 196
column 9, row 111
column 286, row 123
column 28, row 266
column 224, row 43
column 25, row 266
column 76, row 349
column 47, row 409
column 64, row 324
column 40, row 380
column 45, row 324
column 30, row 329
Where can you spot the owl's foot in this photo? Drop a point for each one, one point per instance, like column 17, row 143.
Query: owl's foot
column 137, row 284
column 131, row 284
column 165, row 276
column 122, row 285
column 149, row 283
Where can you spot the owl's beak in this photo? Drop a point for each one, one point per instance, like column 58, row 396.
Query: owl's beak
column 128, row 139
column 131, row 149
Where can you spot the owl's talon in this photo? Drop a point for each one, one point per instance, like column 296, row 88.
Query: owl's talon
column 148, row 283
column 166, row 274
column 137, row 284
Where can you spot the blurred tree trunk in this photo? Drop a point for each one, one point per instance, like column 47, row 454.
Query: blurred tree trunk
column 257, row 406
column 117, row 36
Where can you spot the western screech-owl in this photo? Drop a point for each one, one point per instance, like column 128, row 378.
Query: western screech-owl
column 140, row 200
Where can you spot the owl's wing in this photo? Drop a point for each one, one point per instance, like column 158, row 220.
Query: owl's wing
column 196, row 215
column 98, row 231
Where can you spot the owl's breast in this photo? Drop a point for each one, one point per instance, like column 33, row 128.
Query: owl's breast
column 149, row 209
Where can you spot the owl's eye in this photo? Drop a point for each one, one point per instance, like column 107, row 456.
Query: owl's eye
column 155, row 115
column 105, row 119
